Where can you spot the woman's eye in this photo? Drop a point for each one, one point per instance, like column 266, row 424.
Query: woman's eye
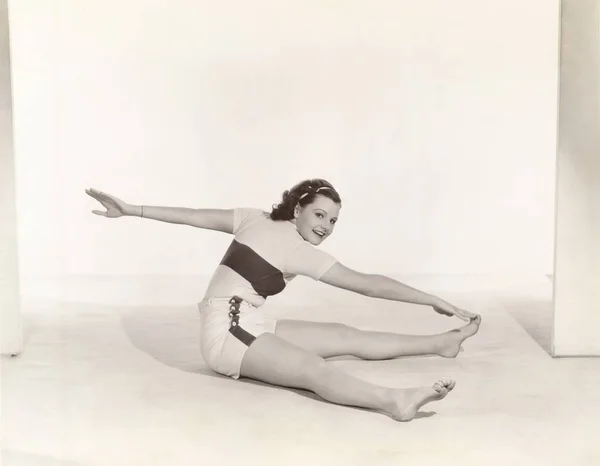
column 320, row 215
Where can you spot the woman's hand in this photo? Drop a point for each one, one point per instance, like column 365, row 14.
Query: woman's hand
column 115, row 207
column 447, row 309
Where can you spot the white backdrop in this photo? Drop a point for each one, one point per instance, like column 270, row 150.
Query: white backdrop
column 577, row 275
column 435, row 120
column 11, row 340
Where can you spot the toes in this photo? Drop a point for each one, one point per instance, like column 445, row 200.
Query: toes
column 444, row 384
column 449, row 384
column 439, row 385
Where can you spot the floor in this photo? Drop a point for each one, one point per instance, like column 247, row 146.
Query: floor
column 122, row 384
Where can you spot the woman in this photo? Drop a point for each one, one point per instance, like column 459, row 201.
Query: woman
column 269, row 250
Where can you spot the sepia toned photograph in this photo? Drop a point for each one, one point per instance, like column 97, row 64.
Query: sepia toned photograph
column 303, row 233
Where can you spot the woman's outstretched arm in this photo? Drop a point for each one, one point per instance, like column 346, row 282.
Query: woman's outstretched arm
column 380, row 286
column 210, row 219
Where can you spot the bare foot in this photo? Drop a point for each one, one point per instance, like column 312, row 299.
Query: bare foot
column 408, row 401
column 450, row 341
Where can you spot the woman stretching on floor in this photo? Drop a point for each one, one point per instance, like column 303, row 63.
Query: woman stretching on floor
column 269, row 250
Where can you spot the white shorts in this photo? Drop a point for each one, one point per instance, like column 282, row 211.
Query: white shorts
column 228, row 326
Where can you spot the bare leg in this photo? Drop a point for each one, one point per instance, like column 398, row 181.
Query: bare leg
column 332, row 339
column 273, row 360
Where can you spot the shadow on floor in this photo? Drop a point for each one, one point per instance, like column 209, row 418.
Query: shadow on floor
column 168, row 335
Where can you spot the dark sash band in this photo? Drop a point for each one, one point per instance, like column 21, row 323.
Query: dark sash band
column 237, row 331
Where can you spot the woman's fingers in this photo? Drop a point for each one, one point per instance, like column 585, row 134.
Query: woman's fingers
column 95, row 194
column 104, row 199
column 450, row 310
column 466, row 315
column 113, row 206
column 99, row 195
column 104, row 202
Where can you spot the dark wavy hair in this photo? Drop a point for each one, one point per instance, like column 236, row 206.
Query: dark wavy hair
column 285, row 209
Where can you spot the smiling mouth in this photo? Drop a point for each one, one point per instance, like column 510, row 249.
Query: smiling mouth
column 319, row 234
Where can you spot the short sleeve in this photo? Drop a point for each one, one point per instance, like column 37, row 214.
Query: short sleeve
column 308, row 261
column 242, row 215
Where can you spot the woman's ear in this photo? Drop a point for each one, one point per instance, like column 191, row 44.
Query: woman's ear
column 296, row 210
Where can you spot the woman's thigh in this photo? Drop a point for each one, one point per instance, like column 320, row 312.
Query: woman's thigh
column 276, row 361
column 325, row 339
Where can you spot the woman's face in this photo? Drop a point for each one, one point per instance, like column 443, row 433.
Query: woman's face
column 316, row 221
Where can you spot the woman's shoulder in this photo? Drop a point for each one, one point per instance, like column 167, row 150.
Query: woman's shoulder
column 250, row 211
column 248, row 215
